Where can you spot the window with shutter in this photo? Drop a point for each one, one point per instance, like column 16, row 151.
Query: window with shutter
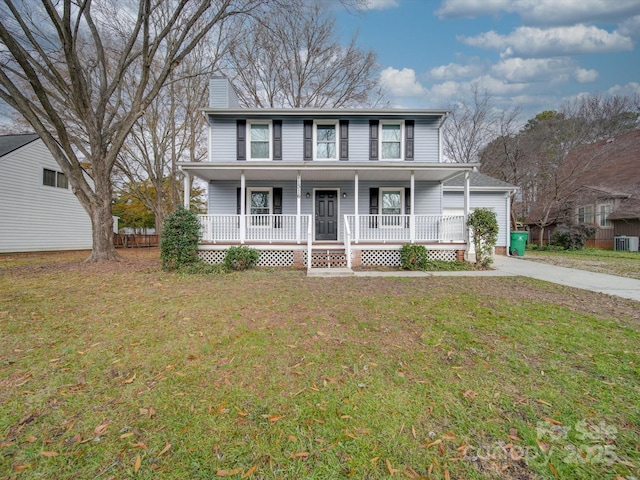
column 277, row 139
column 344, row 139
column 409, row 129
column 241, row 139
column 373, row 139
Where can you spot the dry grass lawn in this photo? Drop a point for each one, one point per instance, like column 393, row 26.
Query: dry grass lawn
column 125, row 371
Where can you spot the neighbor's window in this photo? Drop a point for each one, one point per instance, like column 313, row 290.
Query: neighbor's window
column 259, row 145
column 391, row 141
column 52, row 178
column 391, row 203
column 326, row 144
column 603, row 215
column 585, row 214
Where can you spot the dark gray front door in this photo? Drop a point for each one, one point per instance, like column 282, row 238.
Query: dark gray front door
column 326, row 215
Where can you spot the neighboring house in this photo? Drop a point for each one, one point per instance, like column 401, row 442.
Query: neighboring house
column 341, row 187
column 605, row 190
column 38, row 210
column 485, row 192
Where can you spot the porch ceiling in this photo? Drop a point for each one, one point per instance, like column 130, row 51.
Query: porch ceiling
column 317, row 171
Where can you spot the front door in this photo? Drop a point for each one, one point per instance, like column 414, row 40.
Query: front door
column 326, row 215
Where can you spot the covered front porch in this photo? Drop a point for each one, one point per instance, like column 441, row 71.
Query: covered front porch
column 333, row 207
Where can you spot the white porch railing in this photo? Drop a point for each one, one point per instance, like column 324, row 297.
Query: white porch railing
column 299, row 229
column 397, row 228
column 260, row 228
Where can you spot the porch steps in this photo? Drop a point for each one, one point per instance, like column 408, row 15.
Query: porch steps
column 328, row 258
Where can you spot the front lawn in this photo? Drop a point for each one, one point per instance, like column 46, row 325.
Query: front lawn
column 129, row 372
column 623, row 264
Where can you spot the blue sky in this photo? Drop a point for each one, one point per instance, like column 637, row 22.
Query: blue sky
column 532, row 53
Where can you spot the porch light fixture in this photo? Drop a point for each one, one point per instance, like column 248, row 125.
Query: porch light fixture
column 308, row 195
column 344, row 194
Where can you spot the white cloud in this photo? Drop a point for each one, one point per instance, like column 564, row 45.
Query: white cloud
column 631, row 89
column 401, row 83
column 471, row 8
column 565, row 12
column 585, row 76
column 630, row 27
column 558, row 69
column 537, row 42
column 544, row 12
column 379, row 4
column 455, row 70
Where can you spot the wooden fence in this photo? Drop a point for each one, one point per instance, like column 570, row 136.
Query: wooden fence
column 132, row 240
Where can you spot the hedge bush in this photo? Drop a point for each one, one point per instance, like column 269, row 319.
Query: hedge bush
column 241, row 258
column 413, row 257
column 485, row 234
column 179, row 240
column 573, row 237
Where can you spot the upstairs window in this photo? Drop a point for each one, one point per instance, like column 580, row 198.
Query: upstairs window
column 51, row 178
column 326, row 141
column 259, row 144
column 391, row 141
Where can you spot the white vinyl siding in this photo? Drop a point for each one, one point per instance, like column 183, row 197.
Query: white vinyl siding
column 223, row 139
column 496, row 201
column 35, row 217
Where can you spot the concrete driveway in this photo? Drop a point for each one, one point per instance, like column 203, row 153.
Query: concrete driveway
column 595, row 282
column 519, row 266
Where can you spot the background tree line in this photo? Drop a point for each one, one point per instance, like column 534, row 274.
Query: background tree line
column 114, row 88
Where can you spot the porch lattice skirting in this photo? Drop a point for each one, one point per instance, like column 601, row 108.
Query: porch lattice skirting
column 387, row 257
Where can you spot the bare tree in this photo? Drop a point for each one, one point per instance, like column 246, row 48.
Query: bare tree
column 470, row 127
column 293, row 58
column 64, row 65
column 172, row 129
column 547, row 158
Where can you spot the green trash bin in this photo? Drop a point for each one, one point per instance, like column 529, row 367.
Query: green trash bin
column 518, row 243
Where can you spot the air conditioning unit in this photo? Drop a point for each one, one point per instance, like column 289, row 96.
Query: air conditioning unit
column 629, row 244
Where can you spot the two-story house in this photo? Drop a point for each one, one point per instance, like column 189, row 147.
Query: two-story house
column 339, row 187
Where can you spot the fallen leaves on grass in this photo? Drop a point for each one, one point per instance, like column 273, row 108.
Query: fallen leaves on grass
column 49, row 454
column 228, row 473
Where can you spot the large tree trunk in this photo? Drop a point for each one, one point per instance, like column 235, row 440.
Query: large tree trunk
column 101, row 214
column 102, row 228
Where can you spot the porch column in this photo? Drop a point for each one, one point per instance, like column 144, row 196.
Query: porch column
column 243, row 206
column 298, row 206
column 412, row 217
column 187, row 190
column 465, row 229
column 356, row 221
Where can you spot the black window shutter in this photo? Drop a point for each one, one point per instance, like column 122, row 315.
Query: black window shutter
column 409, row 129
column 308, row 139
column 344, row 139
column 374, row 194
column 241, row 138
column 238, row 194
column 373, row 139
column 407, row 205
column 277, row 139
column 277, row 207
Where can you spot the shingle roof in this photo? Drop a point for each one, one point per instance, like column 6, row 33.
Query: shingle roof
column 478, row 180
column 9, row 143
